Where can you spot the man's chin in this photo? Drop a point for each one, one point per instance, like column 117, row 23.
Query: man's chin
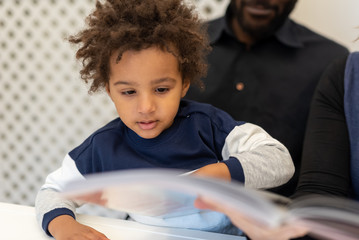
column 259, row 32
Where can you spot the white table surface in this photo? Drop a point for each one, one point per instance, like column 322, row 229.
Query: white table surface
column 18, row 222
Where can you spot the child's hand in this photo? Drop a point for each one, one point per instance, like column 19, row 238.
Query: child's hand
column 65, row 228
column 216, row 170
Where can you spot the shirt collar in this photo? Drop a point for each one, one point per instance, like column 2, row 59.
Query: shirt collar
column 219, row 27
column 285, row 34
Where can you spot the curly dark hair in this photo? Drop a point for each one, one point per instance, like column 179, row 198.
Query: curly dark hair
column 121, row 25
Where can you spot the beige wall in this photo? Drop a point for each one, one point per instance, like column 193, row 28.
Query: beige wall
column 336, row 19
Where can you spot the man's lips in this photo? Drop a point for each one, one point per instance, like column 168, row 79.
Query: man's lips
column 147, row 125
column 259, row 11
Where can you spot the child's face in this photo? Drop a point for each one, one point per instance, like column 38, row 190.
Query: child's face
column 146, row 88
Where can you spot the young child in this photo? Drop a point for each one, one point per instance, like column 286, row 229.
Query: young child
column 145, row 54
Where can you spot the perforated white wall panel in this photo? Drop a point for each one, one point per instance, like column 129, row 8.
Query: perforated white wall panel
column 45, row 110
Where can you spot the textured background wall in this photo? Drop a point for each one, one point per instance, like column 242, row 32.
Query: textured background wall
column 45, row 110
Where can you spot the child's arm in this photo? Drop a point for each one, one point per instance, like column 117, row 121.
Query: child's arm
column 55, row 214
column 65, row 227
column 57, row 217
column 252, row 156
column 216, row 170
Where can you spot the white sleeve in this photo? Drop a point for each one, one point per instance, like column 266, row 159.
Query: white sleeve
column 265, row 161
column 48, row 197
column 67, row 172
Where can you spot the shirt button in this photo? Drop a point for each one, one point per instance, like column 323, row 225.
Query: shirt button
column 240, row 86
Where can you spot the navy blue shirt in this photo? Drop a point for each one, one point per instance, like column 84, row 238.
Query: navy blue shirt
column 195, row 139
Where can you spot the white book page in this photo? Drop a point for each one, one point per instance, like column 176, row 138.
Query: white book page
column 164, row 193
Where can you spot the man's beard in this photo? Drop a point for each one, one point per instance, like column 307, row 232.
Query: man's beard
column 260, row 32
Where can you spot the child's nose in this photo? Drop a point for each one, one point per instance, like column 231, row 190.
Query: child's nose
column 146, row 104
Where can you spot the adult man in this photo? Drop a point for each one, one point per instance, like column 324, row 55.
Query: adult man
column 264, row 68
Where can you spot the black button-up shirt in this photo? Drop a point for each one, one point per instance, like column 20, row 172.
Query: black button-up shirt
column 271, row 83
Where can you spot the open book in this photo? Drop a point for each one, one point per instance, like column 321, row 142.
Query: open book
column 167, row 193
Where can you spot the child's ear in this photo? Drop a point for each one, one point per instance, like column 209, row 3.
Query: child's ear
column 108, row 90
column 185, row 87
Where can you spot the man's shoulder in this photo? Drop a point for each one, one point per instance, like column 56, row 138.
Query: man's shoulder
column 308, row 36
column 215, row 27
column 216, row 21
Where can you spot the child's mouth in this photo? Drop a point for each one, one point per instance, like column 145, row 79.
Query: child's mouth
column 147, row 125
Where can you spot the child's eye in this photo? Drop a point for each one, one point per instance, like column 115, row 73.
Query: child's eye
column 129, row 92
column 162, row 90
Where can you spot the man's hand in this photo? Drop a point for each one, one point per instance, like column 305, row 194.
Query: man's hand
column 66, row 227
column 253, row 229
